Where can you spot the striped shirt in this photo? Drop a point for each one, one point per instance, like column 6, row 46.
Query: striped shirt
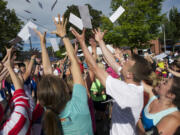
column 19, row 121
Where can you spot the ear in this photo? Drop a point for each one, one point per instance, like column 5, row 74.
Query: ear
column 170, row 96
column 129, row 75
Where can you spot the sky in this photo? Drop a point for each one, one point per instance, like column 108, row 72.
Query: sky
column 44, row 16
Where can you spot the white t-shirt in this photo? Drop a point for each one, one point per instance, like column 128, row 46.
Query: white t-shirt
column 56, row 73
column 127, row 106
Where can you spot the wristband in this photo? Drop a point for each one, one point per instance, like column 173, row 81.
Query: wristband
column 65, row 36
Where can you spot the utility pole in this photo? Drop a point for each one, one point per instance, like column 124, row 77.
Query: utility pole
column 164, row 38
column 30, row 43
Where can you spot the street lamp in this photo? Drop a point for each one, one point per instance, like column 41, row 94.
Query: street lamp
column 163, row 28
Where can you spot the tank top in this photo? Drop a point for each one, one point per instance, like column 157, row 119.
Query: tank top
column 150, row 120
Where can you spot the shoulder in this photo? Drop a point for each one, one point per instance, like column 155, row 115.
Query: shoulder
column 165, row 125
column 173, row 118
column 79, row 92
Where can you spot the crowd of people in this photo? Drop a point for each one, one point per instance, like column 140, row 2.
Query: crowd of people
column 120, row 93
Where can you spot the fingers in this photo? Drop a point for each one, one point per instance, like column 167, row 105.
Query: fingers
column 59, row 19
column 65, row 23
column 9, row 56
column 54, row 32
column 55, row 22
column 44, row 35
column 63, row 19
column 93, row 32
column 99, row 30
column 74, row 32
column 84, row 30
column 105, row 31
column 36, row 31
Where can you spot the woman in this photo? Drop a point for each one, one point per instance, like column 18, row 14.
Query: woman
column 63, row 116
column 15, row 113
column 162, row 111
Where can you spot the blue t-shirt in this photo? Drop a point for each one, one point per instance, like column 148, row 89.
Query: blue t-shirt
column 76, row 119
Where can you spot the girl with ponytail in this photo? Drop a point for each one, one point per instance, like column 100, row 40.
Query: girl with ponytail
column 63, row 115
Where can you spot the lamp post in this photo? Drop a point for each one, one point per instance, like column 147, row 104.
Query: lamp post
column 163, row 28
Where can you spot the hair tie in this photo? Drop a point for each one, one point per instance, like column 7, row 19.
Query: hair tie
column 49, row 108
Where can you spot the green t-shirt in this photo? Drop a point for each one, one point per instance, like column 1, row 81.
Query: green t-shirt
column 76, row 116
column 98, row 88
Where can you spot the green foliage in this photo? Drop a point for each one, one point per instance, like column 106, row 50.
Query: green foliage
column 96, row 19
column 137, row 25
column 10, row 25
column 57, row 54
column 172, row 27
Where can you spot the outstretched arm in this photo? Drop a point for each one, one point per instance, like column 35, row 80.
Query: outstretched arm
column 29, row 68
column 45, row 57
column 76, row 51
column 3, row 75
column 91, row 75
column 16, row 81
column 174, row 72
column 100, row 73
column 75, row 69
column 107, row 54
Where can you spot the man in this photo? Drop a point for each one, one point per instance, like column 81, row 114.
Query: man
column 128, row 94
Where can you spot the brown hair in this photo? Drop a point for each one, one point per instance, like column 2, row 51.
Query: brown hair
column 175, row 89
column 53, row 96
column 141, row 70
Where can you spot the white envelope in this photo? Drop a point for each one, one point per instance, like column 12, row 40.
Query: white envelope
column 54, row 44
column 117, row 14
column 24, row 34
column 85, row 16
column 161, row 56
column 76, row 21
column 32, row 33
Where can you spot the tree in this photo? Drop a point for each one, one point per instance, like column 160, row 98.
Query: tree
column 10, row 25
column 95, row 14
column 172, row 27
column 137, row 25
column 57, row 54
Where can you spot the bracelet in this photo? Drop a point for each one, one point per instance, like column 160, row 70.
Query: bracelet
column 65, row 36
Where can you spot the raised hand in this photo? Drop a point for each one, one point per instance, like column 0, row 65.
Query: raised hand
column 98, row 34
column 60, row 26
column 92, row 42
column 9, row 50
column 76, row 47
column 42, row 37
column 33, row 57
column 7, row 64
column 79, row 37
